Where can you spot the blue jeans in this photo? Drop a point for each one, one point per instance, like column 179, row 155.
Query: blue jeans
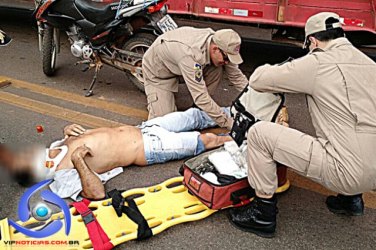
column 167, row 138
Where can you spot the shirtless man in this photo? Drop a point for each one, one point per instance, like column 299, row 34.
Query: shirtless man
column 85, row 159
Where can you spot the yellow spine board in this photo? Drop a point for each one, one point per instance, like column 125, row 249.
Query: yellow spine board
column 163, row 206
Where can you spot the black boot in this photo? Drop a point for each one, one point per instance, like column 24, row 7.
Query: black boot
column 258, row 217
column 352, row 205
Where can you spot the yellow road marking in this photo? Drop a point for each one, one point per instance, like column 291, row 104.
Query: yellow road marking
column 79, row 99
column 55, row 111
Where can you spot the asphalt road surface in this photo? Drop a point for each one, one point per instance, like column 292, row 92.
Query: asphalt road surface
column 34, row 99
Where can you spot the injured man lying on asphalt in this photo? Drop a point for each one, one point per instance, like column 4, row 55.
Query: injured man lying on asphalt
column 85, row 159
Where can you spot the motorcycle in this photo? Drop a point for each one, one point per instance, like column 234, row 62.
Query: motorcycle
column 115, row 34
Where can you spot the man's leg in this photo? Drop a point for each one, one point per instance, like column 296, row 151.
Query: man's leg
column 191, row 119
column 92, row 186
column 213, row 76
column 167, row 146
column 160, row 102
column 269, row 143
column 211, row 140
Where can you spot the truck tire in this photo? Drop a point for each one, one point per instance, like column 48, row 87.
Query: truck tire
column 139, row 43
column 49, row 52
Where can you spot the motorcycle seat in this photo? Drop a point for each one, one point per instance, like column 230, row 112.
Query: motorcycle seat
column 96, row 12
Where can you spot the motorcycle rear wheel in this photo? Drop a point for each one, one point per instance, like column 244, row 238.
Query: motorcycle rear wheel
column 139, row 43
column 49, row 52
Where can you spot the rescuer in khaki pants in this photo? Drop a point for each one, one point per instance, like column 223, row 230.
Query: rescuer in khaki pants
column 202, row 57
column 339, row 82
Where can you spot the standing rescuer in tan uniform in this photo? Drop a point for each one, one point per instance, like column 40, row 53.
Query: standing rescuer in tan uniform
column 201, row 56
column 340, row 86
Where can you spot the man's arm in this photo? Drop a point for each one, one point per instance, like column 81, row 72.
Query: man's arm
column 193, row 77
column 296, row 76
column 236, row 76
column 92, row 186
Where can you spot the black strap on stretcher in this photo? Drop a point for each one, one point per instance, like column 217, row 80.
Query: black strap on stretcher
column 133, row 213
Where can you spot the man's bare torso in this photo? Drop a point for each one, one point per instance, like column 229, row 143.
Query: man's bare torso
column 111, row 147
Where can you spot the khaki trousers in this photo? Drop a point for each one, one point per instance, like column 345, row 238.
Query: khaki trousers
column 161, row 101
column 269, row 143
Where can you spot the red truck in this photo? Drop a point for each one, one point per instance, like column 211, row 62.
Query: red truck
column 276, row 20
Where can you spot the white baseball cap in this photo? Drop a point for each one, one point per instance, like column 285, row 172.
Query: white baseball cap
column 229, row 41
column 317, row 23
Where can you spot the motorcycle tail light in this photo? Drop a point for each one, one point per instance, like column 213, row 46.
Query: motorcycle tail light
column 157, row 7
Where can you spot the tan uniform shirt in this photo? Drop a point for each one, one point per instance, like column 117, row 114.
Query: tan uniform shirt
column 185, row 52
column 340, row 87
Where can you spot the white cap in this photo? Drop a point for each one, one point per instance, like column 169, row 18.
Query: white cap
column 317, row 23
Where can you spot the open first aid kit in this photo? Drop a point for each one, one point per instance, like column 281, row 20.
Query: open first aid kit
column 218, row 178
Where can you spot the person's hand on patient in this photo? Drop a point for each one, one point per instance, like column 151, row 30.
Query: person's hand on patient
column 81, row 152
column 74, row 130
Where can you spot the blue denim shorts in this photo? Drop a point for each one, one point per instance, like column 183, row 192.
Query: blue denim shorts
column 161, row 145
